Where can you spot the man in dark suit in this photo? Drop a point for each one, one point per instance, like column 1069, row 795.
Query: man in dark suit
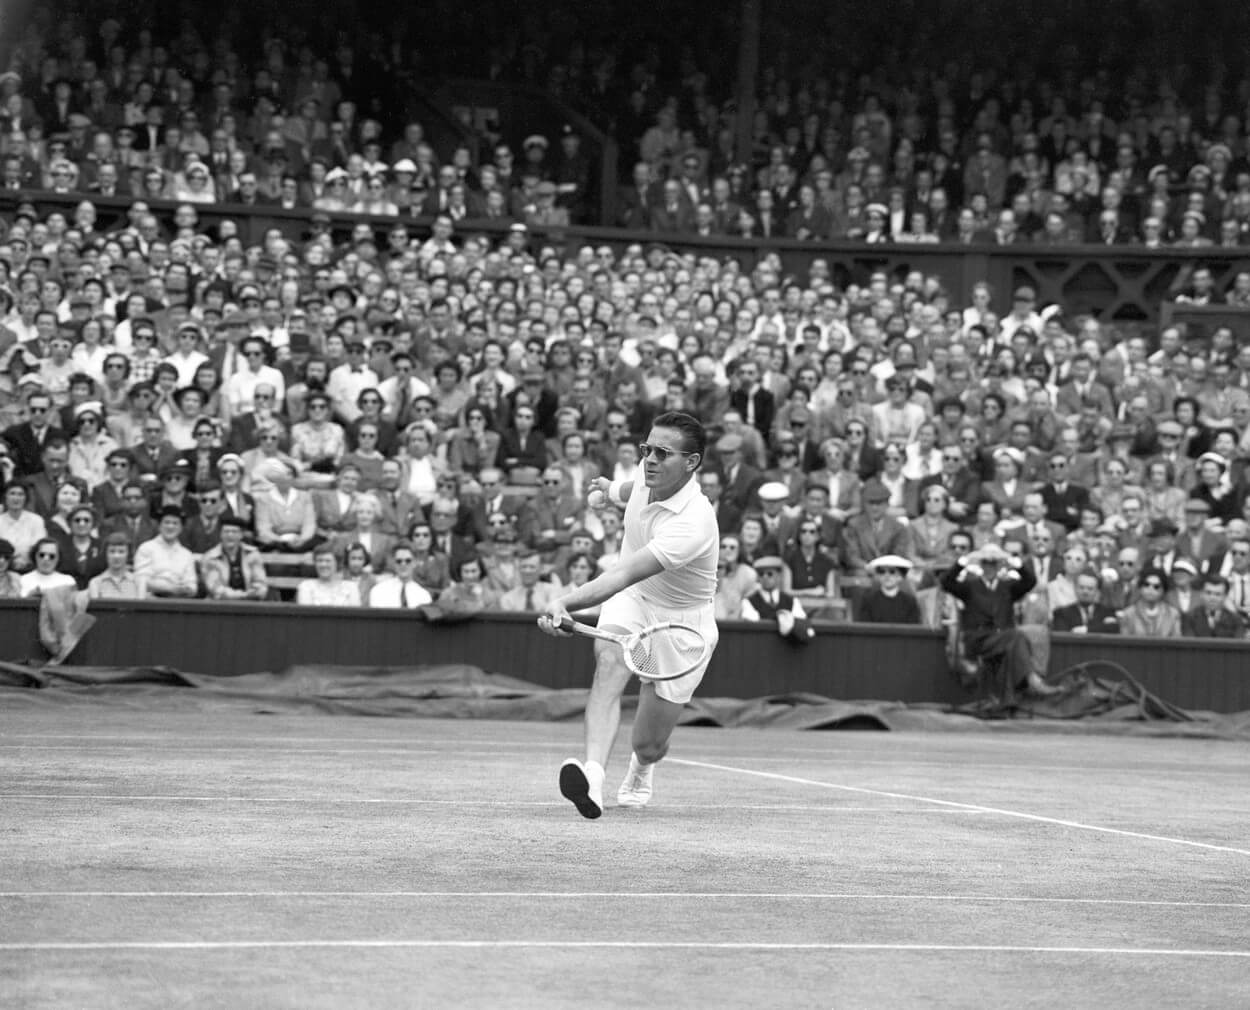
column 728, row 515
column 674, row 213
column 990, row 587
column 43, row 486
column 873, row 533
column 493, row 504
column 135, row 520
column 741, row 481
column 1087, row 615
column 962, row 485
column 27, row 440
column 1197, row 541
column 1081, row 389
column 153, row 455
column 1063, row 499
column 751, row 400
column 106, row 497
column 636, row 200
column 443, row 515
column 1211, row 618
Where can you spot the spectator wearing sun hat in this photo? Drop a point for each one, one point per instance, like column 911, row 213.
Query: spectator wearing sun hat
column 888, row 601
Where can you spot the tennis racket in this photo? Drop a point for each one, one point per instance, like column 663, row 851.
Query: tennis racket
column 665, row 650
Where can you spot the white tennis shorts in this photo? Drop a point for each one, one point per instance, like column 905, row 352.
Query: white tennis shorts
column 628, row 613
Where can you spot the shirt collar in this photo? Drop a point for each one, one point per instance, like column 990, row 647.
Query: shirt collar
column 680, row 499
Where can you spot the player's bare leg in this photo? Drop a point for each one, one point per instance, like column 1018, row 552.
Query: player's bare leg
column 653, row 728
column 582, row 783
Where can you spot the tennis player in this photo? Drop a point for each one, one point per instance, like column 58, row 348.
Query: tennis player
column 666, row 572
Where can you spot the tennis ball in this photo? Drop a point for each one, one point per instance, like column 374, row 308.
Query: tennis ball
column 596, row 499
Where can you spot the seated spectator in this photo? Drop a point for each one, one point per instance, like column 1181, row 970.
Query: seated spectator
column 735, row 581
column 45, row 576
column 10, row 581
column 1087, row 615
column 888, row 602
column 117, row 581
column 358, row 572
column 469, row 593
column 336, row 508
column 928, row 535
column 873, row 532
column 364, row 532
column 165, row 565
column 400, row 590
column 82, row 552
column 1210, row 617
column 329, row 588
column 318, row 443
column 234, row 570
column 1151, row 616
column 20, row 527
column 531, row 594
column 810, row 571
column 771, row 605
column 285, row 517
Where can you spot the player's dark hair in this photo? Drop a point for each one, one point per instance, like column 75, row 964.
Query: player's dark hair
column 692, row 433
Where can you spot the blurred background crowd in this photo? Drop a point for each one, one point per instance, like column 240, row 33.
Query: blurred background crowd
column 401, row 405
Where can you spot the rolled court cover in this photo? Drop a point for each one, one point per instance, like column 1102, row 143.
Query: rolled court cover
column 468, row 692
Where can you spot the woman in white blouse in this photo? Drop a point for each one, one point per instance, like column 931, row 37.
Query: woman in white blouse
column 329, row 588
column 20, row 526
column 420, row 468
column 44, row 576
column 90, row 446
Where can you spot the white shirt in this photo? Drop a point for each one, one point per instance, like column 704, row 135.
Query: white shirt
column 186, row 365
column 386, row 594
column 240, row 388
column 346, row 384
column 315, row 593
column 681, row 532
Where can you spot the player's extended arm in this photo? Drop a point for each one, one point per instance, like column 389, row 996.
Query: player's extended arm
column 641, row 566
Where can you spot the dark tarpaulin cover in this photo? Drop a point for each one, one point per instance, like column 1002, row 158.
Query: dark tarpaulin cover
column 1113, row 703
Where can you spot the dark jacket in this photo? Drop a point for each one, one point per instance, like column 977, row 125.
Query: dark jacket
column 1102, row 620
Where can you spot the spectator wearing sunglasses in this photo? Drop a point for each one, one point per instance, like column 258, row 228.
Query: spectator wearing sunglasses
column 1151, row 615
column 888, row 601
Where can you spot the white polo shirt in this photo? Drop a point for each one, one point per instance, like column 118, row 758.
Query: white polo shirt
column 682, row 533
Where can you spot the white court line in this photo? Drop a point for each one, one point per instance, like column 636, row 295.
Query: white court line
column 962, row 806
column 830, row 808
column 642, row 896
column 614, row 945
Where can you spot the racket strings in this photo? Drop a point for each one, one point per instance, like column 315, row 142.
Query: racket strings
column 665, row 653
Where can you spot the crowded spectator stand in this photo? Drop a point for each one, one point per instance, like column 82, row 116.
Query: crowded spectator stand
column 387, row 376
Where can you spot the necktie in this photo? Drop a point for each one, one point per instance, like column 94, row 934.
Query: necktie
column 1086, row 616
column 529, row 599
column 403, row 595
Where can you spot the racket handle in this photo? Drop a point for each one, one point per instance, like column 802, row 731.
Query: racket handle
column 568, row 624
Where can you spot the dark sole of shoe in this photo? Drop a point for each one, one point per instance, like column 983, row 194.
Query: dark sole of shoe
column 575, row 787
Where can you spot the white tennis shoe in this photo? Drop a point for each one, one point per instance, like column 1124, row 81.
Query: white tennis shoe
column 582, row 785
column 635, row 790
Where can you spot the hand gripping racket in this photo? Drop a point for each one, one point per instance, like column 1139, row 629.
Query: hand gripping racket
column 665, row 650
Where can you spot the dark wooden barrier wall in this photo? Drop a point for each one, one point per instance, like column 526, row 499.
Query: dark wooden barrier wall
column 848, row 662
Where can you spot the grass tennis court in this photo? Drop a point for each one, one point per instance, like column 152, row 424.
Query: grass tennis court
column 161, row 858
